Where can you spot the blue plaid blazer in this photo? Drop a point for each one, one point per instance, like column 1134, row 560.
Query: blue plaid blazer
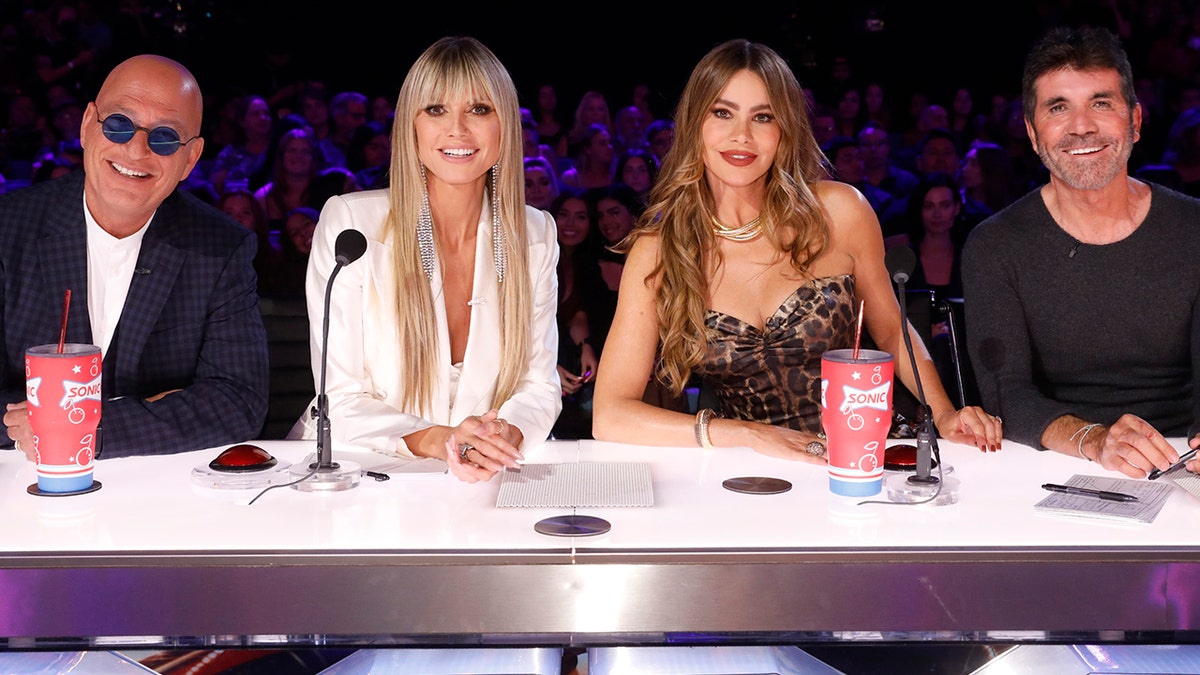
column 190, row 321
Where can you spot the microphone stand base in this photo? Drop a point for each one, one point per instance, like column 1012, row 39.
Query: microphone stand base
column 335, row 478
column 942, row 493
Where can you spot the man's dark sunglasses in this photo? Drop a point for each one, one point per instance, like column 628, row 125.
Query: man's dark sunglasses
column 163, row 140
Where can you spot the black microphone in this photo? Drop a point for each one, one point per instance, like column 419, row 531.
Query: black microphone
column 900, row 262
column 349, row 246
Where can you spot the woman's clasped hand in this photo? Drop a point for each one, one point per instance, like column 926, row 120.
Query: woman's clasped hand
column 480, row 447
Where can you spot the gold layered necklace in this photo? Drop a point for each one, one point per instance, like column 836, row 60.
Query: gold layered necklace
column 744, row 233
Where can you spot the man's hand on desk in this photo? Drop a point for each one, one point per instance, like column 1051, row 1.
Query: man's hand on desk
column 1131, row 445
column 1193, row 465
column 16, row 418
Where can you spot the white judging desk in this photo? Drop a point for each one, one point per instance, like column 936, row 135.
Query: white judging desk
column 151, row 559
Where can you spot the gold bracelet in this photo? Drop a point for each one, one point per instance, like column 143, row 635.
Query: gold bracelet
column 702, row 418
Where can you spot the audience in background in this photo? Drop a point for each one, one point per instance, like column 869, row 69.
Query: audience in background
column 660, row 135
column 593, row 161
column 244, row 207
column 592, row 109
column 235, row 163
column 369, row 154
column 551, row 131
column 638, row 169
column 541, row 187
column 578, row 283
column 347, row 111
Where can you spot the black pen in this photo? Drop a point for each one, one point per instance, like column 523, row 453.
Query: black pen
column 1087, row 492
column 1182, row 460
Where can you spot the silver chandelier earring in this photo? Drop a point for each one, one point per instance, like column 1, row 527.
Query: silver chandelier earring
column 425, row 229
column 499, row 253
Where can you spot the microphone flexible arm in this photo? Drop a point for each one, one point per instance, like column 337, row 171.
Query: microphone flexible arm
column 321, row 410
column 926, row 434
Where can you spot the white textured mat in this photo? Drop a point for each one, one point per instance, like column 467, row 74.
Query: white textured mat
column 587, row 484
column 1186, row 480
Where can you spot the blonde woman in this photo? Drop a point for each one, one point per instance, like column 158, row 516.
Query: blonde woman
column 747, row 266
column 443, row 339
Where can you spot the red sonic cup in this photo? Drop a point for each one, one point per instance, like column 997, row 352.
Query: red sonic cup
column 63, row 395
column 856, row 412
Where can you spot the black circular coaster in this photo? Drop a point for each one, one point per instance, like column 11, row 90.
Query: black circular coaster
column 757, row 485
column 33, row 490
column 572, row 526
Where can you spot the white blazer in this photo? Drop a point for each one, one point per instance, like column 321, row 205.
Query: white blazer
column 365, row 368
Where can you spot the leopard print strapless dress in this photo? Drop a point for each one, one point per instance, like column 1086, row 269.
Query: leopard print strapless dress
column 773, row 375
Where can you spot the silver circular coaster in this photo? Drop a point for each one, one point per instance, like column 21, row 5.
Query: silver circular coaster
column 757, row 485
column 572, row 526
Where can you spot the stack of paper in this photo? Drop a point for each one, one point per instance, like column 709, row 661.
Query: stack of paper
column 1151, row 496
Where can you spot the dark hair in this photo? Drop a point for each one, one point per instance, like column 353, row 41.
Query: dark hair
column 241, row 106
column 833, row 147
column 995, row 167
column 587, row 249
column 355, row 152
column 934, row 134
column 916, row 204
column 657, row 127
column 620, row 192
column 1089, row 48
column 645, row 155
column 589, row 133
column 279, row 171
column 570, row 192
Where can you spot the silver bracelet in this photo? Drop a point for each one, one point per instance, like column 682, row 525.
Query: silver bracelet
column 1082, row 432
column 702, row 418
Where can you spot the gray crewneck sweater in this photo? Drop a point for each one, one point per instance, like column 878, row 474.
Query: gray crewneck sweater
column 1057, row 327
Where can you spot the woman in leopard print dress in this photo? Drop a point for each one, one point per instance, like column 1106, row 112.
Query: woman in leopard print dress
column 747, row 266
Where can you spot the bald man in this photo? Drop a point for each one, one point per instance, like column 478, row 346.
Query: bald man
column 161, row 281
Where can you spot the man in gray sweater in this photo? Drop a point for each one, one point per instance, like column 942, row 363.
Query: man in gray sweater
column 1082, row 298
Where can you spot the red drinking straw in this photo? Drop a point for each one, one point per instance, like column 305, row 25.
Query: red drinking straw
column 62, row 331
column 857, row 329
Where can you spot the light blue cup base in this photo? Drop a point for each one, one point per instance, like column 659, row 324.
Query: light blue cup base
column 846, row 488
column 65, row 485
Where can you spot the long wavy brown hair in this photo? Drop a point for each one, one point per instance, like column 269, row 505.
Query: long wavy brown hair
column 682, row 206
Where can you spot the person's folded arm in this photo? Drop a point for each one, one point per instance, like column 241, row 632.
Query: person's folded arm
column 226, row 398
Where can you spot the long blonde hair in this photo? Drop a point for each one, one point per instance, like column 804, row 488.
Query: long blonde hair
column 450, row 67
column 682, row 206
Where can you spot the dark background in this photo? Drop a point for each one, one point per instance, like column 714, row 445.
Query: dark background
column 610, row 46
